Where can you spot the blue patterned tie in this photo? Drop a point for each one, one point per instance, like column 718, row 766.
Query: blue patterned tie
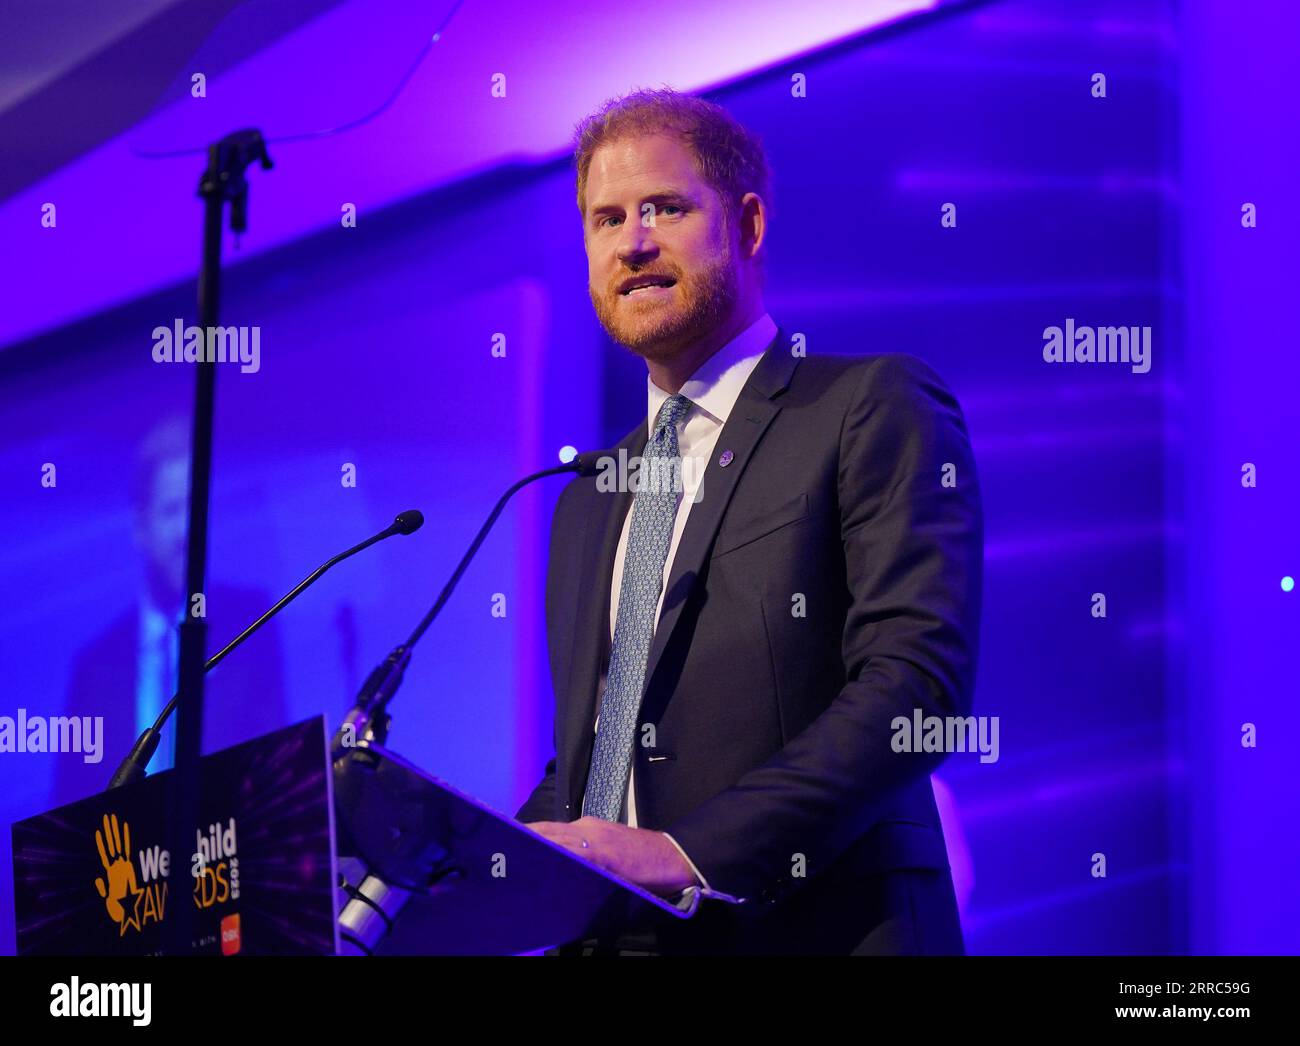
column 654, row 509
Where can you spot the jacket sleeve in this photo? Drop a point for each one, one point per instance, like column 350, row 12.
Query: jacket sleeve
column 540, row 806
column 912, row 535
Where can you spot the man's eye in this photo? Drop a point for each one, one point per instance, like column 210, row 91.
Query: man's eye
column 604, row 223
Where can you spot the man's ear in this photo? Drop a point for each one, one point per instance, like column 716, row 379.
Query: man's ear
column 753, row 224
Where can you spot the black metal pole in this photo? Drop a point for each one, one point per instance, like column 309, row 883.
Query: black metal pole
column 222, row 181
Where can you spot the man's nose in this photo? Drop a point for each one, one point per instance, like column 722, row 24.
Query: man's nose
column 637, row 243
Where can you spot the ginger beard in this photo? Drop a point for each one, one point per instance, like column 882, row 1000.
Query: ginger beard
column 658, row 328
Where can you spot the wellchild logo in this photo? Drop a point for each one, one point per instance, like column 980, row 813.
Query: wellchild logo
column 24, row 733
column 1098, row 345
column 951, row 733
column 181, row 344
column 102, row 1000
column 130, row 901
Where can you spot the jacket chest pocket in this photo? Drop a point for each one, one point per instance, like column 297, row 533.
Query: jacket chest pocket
column 736, row 534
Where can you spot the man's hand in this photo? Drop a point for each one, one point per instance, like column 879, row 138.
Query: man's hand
column 639, row 855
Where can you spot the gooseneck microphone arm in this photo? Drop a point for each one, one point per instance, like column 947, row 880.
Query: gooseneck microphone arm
column 133, row 766
column 368, row 720
column 445, row 594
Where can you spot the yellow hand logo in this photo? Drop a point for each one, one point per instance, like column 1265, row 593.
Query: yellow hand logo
column 115, row 853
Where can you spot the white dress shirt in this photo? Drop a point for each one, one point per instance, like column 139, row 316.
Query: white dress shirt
column 713, row 390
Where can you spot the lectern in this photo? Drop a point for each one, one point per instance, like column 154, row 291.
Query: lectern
column 295, row 854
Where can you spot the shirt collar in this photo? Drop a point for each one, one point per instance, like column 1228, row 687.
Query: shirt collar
column 715, row 386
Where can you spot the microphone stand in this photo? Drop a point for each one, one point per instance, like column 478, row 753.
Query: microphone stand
column 223, row 181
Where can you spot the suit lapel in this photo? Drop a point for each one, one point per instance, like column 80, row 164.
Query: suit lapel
column 748, row 420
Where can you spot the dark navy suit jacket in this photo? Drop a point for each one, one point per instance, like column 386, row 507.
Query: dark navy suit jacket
column 826, row 582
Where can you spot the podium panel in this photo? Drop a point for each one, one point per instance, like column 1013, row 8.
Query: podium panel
column 95, row 877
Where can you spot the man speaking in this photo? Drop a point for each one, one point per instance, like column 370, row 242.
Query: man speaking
column 733, row 636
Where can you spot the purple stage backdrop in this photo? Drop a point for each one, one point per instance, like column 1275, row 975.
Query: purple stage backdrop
column 951, row 180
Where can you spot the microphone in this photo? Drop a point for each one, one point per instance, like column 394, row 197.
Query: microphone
column 407, row 522
column 588, row 463
column 133, row 767
column 369, row 720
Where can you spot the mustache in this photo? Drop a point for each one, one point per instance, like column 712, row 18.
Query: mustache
column 613, row 287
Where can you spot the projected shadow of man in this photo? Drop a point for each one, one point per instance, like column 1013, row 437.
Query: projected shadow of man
column 128, row 672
